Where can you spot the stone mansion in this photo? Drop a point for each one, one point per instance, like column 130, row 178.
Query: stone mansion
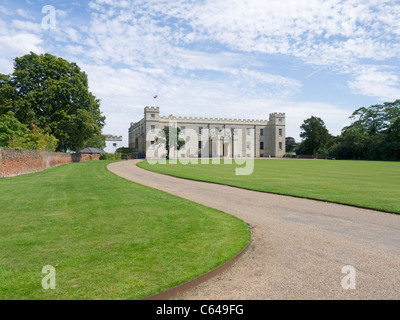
column 211, row 137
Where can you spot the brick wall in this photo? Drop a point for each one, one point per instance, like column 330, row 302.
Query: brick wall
column 17, row 162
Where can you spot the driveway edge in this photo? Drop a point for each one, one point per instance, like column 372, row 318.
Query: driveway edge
column 176, row 291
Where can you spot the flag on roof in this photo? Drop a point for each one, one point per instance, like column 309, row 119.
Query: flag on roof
column 155, row 97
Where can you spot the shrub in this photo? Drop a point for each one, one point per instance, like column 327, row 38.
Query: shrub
column 110, row 156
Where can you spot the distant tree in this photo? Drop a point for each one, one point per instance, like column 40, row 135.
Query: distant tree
column 393, row 139
column 290, row 144
column 376, row 118
column 125, row 150
column 53, row 94
column 97, row 141
column 372, row 134
column 315, row 135
column 169, row 136
column 353, row 142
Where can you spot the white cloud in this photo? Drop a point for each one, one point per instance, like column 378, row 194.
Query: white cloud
column 6, row 66
column 4, row 10
column 370, row 81
column 27, row 26
column 24, row 14
column 21, row 43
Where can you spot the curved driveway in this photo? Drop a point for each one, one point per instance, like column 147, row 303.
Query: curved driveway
column 299, row 246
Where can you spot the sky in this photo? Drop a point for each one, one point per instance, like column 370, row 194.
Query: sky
column 217, row 58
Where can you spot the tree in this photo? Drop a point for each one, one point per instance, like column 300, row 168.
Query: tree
column 34, row 139
column 394, row 140
column 170, row 138
column 16, row 135
column 10, row 128
column 353, row 142
column 97, row 141
column 290, row 144
column 53, row 94
column 6, row 94
column 372, row 134
column 376, row 118
column 315, row 135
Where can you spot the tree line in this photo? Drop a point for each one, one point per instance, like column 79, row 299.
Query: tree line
column 45, row 104
column 374, row 134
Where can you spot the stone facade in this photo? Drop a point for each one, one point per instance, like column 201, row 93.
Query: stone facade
column 213, row 137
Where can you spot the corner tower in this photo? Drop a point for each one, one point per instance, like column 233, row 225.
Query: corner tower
column 276, row 134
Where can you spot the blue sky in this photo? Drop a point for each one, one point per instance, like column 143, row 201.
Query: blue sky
column 213, row 58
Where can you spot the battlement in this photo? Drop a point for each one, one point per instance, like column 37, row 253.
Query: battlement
column 213, row 120
column 112, row 138
column 277, row 115
column 154, row 109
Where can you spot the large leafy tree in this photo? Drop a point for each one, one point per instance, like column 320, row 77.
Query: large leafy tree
column 53, row 94
column 376, row 118
column 315, row 135
column 6, row 94
column 373, row 134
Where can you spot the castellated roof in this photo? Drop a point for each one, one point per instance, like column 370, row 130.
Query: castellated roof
column 110, row 137
column 200, row 120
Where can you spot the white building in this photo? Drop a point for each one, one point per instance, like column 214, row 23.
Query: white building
column 113, row 143
column 213, row 137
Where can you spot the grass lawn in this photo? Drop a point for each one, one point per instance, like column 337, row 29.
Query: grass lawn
column 108, row 238
column 369, row 184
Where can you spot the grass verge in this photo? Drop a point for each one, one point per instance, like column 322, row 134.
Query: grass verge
column 367, row 184
column 107, row 237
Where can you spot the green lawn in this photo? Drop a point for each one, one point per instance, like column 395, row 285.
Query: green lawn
column 108, row 238
column 361, row 183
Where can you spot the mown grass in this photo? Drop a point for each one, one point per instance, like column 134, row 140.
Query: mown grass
column 369, row 184
column 107, row 237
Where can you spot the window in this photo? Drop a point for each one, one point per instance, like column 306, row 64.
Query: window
column 261, row 132
column 200, row 130
column 183, row 130
column 280, row 145
column 261, row 155
column 248, row 132
column 200, row 144
column 248, row 145
column 152, row 128
column 152, row 115
column 262, row 145
column 280, row 132
column 152, row 144
column 114, row 144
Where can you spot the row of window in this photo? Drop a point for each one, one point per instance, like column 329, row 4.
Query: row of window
column 248, row 145
column 152, row 130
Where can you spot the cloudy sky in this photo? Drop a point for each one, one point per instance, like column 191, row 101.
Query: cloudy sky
column 218, row 58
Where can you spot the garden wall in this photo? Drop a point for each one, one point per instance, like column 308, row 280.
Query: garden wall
column 16, row 162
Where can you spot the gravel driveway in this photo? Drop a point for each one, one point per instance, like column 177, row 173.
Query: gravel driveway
column 299, row 247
